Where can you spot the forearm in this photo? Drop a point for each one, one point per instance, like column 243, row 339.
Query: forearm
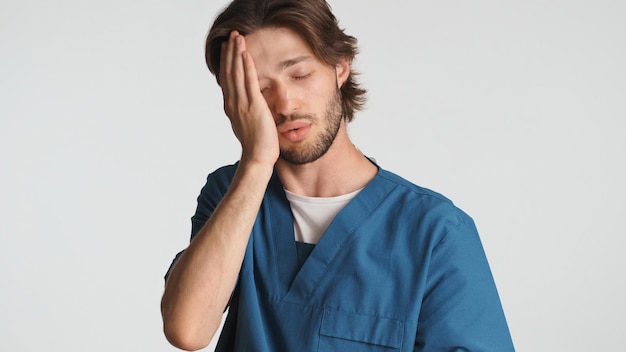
column 201, row 282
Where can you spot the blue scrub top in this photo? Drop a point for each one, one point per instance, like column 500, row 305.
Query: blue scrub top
column 400, row 268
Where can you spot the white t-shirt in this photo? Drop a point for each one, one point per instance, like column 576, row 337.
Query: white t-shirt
column 312, row 215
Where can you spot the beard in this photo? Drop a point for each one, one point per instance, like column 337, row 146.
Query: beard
column 333, row 115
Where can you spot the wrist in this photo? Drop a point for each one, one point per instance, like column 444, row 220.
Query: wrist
column 255, row 168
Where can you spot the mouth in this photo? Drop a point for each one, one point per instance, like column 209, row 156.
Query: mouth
column 293, row 126
column 294, row 131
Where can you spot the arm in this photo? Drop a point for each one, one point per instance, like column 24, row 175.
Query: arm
column 201, row 282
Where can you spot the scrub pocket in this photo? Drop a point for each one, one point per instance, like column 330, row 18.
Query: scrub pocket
column 341, row 331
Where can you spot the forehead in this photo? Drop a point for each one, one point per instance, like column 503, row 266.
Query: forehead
column 270, row 47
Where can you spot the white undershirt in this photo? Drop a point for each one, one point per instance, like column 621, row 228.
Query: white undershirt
column 312, row 215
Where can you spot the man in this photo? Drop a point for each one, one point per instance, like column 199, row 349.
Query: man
column 309, row 243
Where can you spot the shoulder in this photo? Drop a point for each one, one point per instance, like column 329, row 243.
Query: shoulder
column 223, row 174
column 409, row 187
column 415, row 193
column 220, row 178
column 423, row 205
column 216, row 185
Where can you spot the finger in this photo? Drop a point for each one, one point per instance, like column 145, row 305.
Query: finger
column 222, row 72
column 225, row 58
column 238, row 73
column 226, row 63
column 253, row 90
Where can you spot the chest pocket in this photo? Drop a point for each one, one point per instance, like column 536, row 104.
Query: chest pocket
column 341, row 331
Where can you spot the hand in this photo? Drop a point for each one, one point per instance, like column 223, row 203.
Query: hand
column 249, row 114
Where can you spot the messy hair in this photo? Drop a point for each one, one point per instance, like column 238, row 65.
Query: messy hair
column 313, row 20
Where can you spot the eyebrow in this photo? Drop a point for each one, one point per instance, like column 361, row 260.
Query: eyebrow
column 290, row 62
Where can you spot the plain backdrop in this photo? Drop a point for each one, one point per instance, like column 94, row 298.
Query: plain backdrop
column 110, row 122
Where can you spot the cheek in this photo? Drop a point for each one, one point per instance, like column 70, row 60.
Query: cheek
column 322, row 89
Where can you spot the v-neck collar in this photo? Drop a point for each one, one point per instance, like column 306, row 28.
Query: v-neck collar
column 296, row 284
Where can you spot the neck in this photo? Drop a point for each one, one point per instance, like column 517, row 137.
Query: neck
column 343, row 169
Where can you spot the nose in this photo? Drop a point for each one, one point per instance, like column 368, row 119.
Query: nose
column 282, row 101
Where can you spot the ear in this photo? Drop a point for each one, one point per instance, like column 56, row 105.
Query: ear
column 343, row 72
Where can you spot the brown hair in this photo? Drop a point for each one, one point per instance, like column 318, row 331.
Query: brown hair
column 311, row 19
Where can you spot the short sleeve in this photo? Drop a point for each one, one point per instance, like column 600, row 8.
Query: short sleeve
column 210, row 196
column 461, row 310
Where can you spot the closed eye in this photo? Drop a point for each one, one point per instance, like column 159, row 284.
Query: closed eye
column 264, row 89
column 301, row 77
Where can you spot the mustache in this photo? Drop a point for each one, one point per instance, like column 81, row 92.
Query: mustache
column 292, row 117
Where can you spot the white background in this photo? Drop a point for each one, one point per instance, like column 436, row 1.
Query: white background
column 110, row 122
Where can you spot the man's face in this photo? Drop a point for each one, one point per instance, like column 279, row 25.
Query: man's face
column 301, row 91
